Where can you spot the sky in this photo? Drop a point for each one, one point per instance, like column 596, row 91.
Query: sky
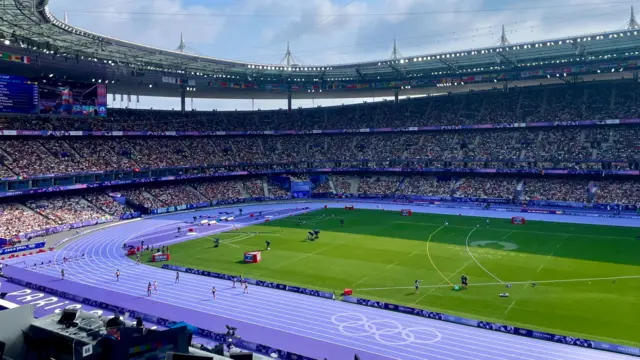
column 331, row 31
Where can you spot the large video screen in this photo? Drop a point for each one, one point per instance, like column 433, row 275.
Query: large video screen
column 18, row 95
column 79, row 100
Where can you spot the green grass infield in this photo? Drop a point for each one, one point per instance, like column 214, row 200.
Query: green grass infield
column 587, row 277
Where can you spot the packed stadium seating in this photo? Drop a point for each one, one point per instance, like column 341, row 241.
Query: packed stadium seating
column 41, row 213
column 32, row 157
column 534, row 148
column 595, row 101
column 556, row 189
column 530, row 147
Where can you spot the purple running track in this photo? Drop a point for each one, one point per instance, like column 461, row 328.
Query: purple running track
column 303, row 324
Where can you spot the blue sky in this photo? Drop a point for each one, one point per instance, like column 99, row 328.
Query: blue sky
column 337, row 31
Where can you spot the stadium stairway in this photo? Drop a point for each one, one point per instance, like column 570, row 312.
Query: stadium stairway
column 6, row 156
column 92, row 205
column 265, row 188
column 592, row 188
column 519, row 189
column 331, row 185
column 401, row 184
column 354, row 182
column 196, row 192
column 245, row 193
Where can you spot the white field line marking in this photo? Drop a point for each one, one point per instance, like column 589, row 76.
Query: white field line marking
column 304, row 256
column 320, row 218
column 474, row 259
column 514, row 283
column 234, row 245
column 510, row 306
column 522, row 231
column 546, row 260
column 237, row 238
column 441, row 283
column 360, row 281
column 429, row 254
column 504, row 237
column 390, row 265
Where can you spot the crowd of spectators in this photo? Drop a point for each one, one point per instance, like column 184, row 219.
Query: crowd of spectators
column 538, row 147
column 220, row 190
column 33, row 157
column 342, row 184
column 573, row 190
column 378, row 185
column 618, row 192
column 49, row 211
column 66, row 209
column 16, row 219
column 427, row 186
column 175, row 195
column 592, row 101
column 254, row 188
column 276, row 191
column 106, row 203
column 487, row 188
column 323, row 187
column 141, row 197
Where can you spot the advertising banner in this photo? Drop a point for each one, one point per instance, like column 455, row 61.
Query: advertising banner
column 20, row 248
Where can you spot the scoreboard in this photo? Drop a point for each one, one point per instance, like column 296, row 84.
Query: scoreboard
column 18, row 95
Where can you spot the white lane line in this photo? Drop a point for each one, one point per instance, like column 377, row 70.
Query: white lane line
column 390, row 265
column 510, row 306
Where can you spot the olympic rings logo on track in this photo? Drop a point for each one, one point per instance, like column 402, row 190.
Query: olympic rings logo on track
column 387, row 332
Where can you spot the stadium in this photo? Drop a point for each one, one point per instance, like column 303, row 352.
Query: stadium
column 489, row 210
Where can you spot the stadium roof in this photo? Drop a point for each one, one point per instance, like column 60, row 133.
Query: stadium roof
column 30, row 26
